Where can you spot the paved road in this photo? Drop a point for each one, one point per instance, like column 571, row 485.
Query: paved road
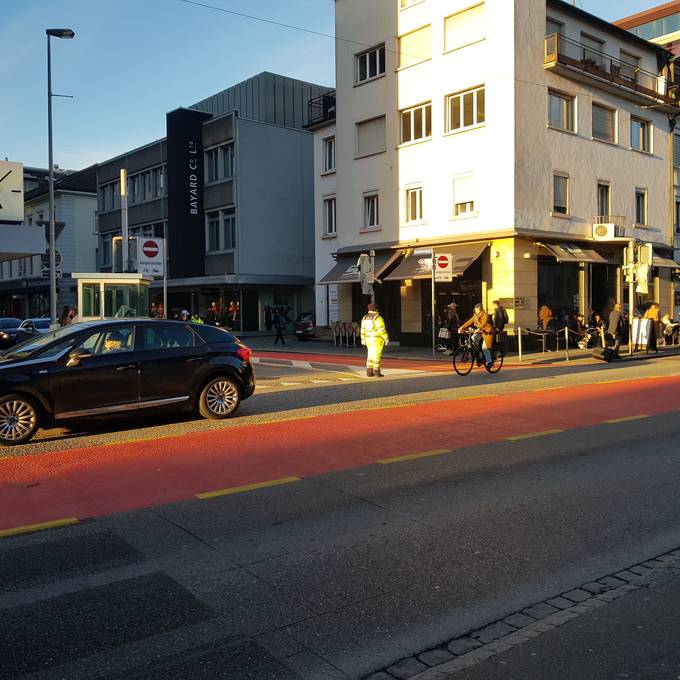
column 409, row 526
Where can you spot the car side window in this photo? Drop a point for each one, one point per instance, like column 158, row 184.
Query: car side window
column 167, row 336
column 109, row 341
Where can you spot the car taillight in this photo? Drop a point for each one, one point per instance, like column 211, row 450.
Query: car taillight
column 244, row 353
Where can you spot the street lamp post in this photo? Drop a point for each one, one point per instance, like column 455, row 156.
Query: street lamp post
column 64, row 33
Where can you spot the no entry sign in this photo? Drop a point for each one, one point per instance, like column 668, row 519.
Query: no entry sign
column 150, row 256
column 443, row 270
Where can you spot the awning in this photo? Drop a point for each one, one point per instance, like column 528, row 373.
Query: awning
column 418, row 265
column 570, row 253
column 664, row 262
column 346, row 270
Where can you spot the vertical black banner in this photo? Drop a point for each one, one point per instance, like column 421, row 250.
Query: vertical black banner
column 186, row 224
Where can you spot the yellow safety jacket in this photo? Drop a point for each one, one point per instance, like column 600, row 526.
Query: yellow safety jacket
column 372, row 328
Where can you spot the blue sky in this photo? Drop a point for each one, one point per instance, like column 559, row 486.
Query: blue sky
column 133, row 60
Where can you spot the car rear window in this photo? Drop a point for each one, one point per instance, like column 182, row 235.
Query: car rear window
column 213, row 333
column 10, row 323
column 42, row 323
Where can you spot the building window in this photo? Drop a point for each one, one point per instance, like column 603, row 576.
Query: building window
column 329, row 225
column 329, row 154
column 212, row 172
column 630, row 65
column 552, row 26
column 677, row 214
column 371, row 137
column 221, row 230
column 371, row 214
column 639, row 134
column 464, row 28
column 414, row 47
column 603, row 199
column 592, row 50
column 604, row 124
column 561, row 111
column 105, row 250
column 370, row 64
column 463, row 195
column 560, row 194
column 465, row 109
column 640, row 206
column 416, row 123
column 226, row 169
column 414, row 204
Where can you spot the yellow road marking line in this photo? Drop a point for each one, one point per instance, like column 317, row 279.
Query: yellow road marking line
column 289, row 384
column 247, row 487
column 607, row 382
column 529, row 435
column 414, row 456
column 320, row 381
column 30, row 528
column 613, row 421
column 477, row 396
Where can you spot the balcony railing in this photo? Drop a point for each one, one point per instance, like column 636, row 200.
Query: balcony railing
column 575, row 55
column 321, row 109
column 619, row 222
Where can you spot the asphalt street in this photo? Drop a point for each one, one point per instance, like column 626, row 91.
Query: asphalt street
column 346, row 571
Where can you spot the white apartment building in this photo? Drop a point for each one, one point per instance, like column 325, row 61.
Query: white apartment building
column 501, row 132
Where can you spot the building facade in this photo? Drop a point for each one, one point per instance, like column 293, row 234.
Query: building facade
column 24, row 281
column 506, row 134
column 231, row 188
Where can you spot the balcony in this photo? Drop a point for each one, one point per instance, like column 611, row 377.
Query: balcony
column 321, row 109
column 581, row 62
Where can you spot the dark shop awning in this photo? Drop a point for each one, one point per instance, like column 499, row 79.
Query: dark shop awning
column 664, row 263
column 346, row 270
column 419, row 264
column 571, row 253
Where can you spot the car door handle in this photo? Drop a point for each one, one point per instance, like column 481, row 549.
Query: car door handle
column 126, row 368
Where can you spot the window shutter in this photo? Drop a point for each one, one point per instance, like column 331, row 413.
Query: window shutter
column 464, row 28
column 464, row 189
column 603, row 123
column 371, row 136
column 415, row 47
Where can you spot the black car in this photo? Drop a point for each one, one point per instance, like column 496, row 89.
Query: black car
column 8, row 331
column 31, row 328
column 305, row 326
column 107, row 367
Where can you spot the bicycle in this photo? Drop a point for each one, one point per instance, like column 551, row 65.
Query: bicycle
column 468, row 353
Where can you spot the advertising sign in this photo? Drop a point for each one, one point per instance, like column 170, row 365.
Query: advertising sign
column 11, row 192
column 150, row 256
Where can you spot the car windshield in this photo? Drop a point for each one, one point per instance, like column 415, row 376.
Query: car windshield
column 42, row 323
column 34, row 345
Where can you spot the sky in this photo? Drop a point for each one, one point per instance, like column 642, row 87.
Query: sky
column 132, row 61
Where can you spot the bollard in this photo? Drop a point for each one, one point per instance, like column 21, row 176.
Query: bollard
column 519, row 343
column 566, row 342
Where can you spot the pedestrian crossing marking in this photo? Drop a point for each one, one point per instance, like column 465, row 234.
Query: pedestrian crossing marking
column 247, row 487
column 530, row 435
column 414, row 456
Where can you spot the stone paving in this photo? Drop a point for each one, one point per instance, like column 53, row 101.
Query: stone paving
column 468, row 650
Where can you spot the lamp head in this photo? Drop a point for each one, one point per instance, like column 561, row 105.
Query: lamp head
column 60, row 33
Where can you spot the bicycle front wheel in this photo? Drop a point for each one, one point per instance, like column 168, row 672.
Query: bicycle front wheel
column 497, row 357
column 463, row 360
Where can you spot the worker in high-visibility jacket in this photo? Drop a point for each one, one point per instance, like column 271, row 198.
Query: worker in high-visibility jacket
column 374, row 337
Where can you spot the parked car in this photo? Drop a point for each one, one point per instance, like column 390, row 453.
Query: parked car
column 121, row 366
column 305, row 326
column 8, row 331
column 30, row 328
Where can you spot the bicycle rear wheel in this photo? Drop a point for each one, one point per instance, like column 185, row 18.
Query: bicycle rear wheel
column 463, row 360
column 497, row 357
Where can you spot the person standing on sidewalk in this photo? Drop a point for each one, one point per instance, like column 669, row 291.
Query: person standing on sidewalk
column 452, row 322
column 374, row 337
column 615, row 328
column 279, row 326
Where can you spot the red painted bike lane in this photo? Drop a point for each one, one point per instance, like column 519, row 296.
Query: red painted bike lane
column 107, row 479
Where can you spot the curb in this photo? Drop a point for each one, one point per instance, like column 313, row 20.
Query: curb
column 439, row 663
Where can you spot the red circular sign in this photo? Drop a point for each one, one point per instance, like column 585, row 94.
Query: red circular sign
column 442, row 262
column 150, row 248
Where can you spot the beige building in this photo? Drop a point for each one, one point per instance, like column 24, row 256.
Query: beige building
column 528, row 139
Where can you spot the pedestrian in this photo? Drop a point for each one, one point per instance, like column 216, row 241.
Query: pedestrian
column 66, row 317
column 279, row 326
column 374, row 337
column 452, row 322
column 545, row 315
column 615, row 328
column 153, row 312
column 184, row 315
column 653, row 313
column 483, row 334
column 195, row 318
column 499, row 318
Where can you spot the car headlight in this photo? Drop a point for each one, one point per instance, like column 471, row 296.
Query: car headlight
column 4, row 335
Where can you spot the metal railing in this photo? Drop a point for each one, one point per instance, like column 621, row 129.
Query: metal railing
column 619, row 222
column 568, row 52
column 321, row 109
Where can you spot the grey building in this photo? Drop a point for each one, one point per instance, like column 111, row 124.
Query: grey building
column 231, row 188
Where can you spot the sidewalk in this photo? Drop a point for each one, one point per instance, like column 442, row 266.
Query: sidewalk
column 264, row 343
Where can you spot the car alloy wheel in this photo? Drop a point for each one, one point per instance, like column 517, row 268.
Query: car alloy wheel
column 18, row 420
column 220, row 398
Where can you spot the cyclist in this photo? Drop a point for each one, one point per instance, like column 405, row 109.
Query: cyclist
column 482, row 336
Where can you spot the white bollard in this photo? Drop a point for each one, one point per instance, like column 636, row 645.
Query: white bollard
column 566, row 342
column 519, row 343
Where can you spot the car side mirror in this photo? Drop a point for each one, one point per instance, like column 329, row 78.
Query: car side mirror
column 75, row 358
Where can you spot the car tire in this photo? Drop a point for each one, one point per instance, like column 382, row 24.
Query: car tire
column 19, row 419
column 219, row 398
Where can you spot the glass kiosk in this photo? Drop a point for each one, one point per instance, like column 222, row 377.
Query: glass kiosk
column 112, row 296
